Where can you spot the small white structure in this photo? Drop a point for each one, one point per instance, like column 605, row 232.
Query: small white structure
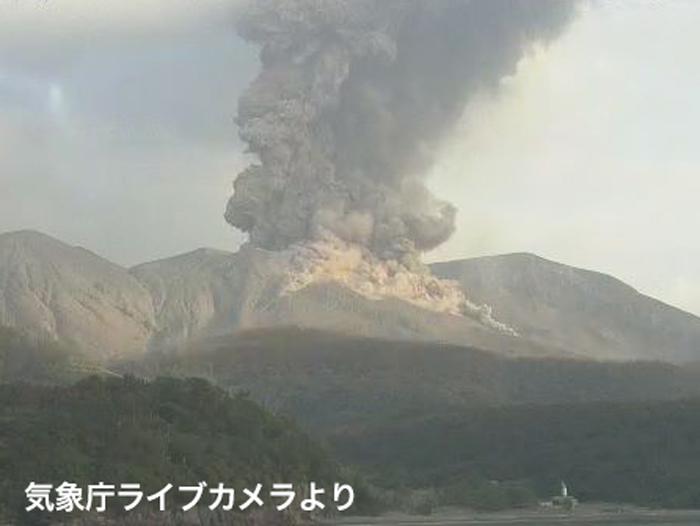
column 562, row 501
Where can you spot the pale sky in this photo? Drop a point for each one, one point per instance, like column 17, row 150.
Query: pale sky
column 117, row 133
column 589, row 154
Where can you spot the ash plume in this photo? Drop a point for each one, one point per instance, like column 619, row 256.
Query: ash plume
column 351, row 102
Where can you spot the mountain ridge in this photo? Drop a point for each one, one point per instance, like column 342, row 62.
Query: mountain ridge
column 75, row 295
column 69, row 293
column 576, row 308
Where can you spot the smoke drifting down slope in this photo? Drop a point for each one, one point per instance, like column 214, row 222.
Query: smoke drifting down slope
column 344, row 117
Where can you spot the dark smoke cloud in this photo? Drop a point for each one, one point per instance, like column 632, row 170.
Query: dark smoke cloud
column 352, row 100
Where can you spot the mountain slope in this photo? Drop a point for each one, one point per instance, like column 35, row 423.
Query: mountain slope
column 70, row 294
column 53, row 290
column 586, row 312
column 558, row 310
column 208, row 293
column 193, row 294
column 328, row 380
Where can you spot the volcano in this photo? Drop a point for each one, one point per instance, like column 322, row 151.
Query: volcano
column 70, row 294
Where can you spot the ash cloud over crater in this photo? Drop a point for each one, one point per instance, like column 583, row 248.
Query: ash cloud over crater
column 351, row 102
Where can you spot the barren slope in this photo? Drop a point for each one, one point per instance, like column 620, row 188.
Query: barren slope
column 586, row 312
column 54, row 290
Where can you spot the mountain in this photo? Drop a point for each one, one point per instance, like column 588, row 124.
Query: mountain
column 70, row 294
column 557, row 310
column 586, row 312
column 193, row 294
column 53, row 290
column 56, row 291
column 208, row 293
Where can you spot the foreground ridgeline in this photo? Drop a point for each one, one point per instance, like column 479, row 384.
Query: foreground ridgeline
column 330, row 381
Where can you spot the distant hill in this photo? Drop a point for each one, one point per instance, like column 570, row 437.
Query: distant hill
column 331, row 381
column 70, row 294
column 67, row 293
column 586, row 312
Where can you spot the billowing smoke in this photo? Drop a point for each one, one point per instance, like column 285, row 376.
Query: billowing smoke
column 352, row 100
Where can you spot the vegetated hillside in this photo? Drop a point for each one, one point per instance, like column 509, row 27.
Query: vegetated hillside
column 329, row 380
column 128, row 430
column 588, row 313
column 39, row 360
column 643, row 453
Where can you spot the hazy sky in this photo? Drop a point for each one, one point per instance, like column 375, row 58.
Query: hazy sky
column 117, row 133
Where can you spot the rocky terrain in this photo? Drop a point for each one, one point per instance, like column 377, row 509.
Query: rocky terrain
column 66, row 293
column 585, row 312
column 211, row 293
column 61, row 292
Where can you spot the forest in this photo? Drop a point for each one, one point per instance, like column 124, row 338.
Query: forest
column 645, row 453
column 149, row 432
column 412, row 425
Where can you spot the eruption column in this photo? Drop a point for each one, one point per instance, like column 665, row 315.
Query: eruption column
column 351, row 102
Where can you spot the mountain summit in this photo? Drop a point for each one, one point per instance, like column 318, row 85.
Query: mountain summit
column 67, row 293
column 579, row 310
